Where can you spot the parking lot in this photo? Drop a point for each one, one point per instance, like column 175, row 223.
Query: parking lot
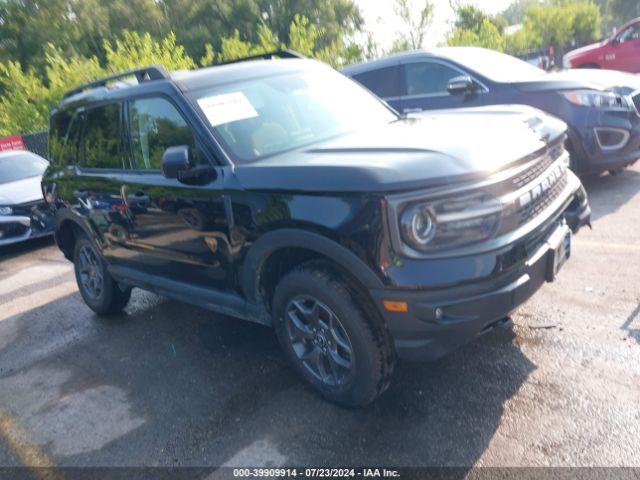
column 167, row 384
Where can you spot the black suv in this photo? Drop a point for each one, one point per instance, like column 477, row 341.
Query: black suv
column 281, row 192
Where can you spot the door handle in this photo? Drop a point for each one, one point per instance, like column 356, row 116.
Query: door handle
column 411, row 110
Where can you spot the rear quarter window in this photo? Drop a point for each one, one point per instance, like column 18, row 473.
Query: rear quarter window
column 384, row 82
column 64, row 138
column 102, row 138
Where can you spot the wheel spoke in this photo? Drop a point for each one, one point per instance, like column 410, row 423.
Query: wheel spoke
column 319, row 340
column 333, row 367
column 335, row 357
column 299, row 326
column 338, row 336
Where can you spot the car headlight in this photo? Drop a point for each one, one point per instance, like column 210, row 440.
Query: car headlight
column 432, row 225
column 592, row 98
column 6, row 210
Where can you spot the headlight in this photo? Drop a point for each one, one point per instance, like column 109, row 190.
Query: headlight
column 6, row 210
column 447, row 223
column 592, row 98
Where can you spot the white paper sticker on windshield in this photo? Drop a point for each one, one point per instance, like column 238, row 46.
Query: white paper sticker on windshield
column 227, row 108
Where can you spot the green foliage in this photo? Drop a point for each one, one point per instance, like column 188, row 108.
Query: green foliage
column 560, row 22
column 303, row 37
column 415, row 28
column 485, row 35
column 81, row 27
column 555, row 23
column 27, row 96
column 473, row 27
column 24, row 107
column 135, row 50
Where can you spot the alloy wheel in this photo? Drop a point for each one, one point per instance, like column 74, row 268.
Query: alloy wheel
column 90, row 272
column 319, row 340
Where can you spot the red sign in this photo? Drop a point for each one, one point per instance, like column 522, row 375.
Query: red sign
column 11, row 143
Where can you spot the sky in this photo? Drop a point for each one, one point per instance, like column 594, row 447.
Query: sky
column 381, row 20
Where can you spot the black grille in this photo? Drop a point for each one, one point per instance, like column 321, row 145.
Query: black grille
column 545, row 162
column 535, row 207
column 636, row 101
column 13, row 229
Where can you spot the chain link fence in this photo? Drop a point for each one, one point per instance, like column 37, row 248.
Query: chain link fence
column 37, row 142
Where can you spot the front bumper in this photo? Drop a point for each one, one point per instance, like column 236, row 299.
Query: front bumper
column 588, row 137
column 440, row 320
column 18, row 228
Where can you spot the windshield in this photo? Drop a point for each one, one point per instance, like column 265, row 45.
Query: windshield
column 264, row 117
column 495, row 66
column 21, row 165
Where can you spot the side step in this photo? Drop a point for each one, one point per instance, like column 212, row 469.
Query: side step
column 224, row 302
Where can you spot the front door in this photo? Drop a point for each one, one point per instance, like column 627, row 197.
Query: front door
column 426, row 85
column 627, row 51
column 177, row 230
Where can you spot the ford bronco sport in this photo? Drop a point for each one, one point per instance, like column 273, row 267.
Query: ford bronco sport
column 283, row 193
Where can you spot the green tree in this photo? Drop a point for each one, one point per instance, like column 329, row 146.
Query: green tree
column 473, row 27
column 415, row 27
column 135, row 50
column 485, row 35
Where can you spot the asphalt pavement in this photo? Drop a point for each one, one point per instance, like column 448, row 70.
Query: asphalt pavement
column 167, row 384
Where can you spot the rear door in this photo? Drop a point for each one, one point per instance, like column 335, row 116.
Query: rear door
column 95, row 188
column 425, row 86
column 384, row 82
column 176, row 230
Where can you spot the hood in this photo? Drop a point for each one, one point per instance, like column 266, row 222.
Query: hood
column 431, row 149
column 553, row 82
column 21, row 191
column 587, row 48
column 619, row 82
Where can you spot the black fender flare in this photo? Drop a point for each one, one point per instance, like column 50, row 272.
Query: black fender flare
column 276, row 240
column 63, row 216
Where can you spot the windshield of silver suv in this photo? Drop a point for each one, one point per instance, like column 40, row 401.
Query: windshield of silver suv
column 267, row 116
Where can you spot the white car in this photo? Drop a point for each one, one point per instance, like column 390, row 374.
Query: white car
column 22, row 208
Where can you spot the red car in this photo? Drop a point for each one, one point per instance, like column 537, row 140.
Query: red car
column 621, row 51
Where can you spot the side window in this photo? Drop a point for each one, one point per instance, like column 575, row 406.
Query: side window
column 156, row 125
column 631, row 33
column 64, row 136
column 428, row 78
column 384, row 82
column 102, row 142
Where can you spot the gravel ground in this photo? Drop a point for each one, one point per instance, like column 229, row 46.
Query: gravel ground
column 167, row 384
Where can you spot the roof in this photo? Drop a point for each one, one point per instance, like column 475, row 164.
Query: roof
column 121, row 85
column 394, row 59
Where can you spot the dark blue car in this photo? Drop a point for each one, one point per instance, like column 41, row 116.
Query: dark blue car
column 602, row 111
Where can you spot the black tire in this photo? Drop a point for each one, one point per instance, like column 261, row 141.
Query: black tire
column 107, row 298
column 368, row 351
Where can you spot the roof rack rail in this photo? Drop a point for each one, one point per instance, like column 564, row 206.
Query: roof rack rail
column 282, row 53
column 145, row 74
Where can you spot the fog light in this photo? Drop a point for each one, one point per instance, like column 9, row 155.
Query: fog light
column 439, row 313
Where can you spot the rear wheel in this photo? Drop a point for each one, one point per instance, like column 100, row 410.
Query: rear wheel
column 338, row 347
column 98, row 289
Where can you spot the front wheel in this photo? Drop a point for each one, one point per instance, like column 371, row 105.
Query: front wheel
column 334, row 343
column 98, row 289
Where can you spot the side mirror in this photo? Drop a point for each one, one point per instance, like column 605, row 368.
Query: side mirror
column 175, row 160
column 462, row 84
